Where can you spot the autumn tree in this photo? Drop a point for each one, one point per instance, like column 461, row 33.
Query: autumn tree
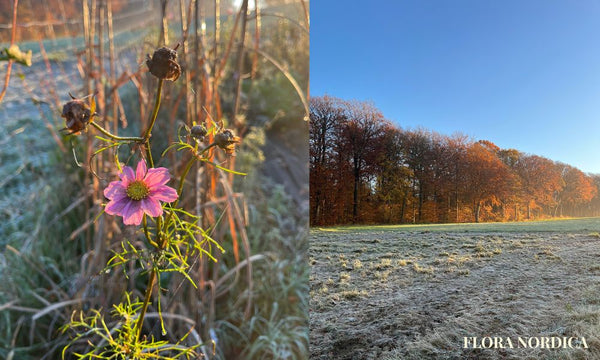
column 579, row 189
column 392, row 177
column 326, row 118
column 363, row 169
column 418, row 148
column 487, row 178
column 512, row 159
column 456, row 164
column 595, row 202
column 361, row 133
column 541, row 180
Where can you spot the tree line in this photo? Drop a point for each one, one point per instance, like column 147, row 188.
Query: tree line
column 363, row 169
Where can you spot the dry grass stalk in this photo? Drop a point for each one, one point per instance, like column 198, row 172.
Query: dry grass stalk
column 12, row 41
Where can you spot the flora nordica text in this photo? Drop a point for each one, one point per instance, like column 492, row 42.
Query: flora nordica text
column 541, row 342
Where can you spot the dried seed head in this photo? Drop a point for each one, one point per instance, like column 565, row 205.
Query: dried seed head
column 198, row 132
column 163, row 64
column 77, row 116
column 226, row 140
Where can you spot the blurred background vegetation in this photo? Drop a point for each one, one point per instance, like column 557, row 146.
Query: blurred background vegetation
column 248, row 70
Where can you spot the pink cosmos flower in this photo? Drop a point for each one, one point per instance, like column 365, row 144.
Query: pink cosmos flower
column 138, row 193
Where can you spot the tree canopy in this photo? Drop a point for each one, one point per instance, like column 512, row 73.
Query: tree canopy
column 365, row 170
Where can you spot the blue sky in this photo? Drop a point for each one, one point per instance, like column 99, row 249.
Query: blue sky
column 524, row 74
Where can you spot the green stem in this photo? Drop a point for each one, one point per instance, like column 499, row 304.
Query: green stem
column 187, row 169
column 184, row 175
column 160, row 240
column 140, row 321
column 114, row 137
column 149, row 153
column 206, row 149
column 147, row 233
column 155, row 110
column 180, row 189
column 146, row 140
column 153, row 117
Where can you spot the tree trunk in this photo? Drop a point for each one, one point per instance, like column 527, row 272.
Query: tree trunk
column 420, row 216
column 477, row 210
column 315, row 217
column 355, row 196
column 402, row 209
column 457, row 209
column 449, row 209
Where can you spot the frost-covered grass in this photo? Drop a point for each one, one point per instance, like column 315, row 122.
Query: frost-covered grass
column 421, row 289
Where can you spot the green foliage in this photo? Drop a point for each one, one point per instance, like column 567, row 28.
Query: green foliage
column 120, row 340
column 14, row 53
column 185, row 241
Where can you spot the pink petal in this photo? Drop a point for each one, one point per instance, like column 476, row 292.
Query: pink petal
column 151, row 207
column 115, row 191
column 127, row 175
column 156, row 177
column 133, row 213
column 141, row 169
column 115, row 207
column 164, row 193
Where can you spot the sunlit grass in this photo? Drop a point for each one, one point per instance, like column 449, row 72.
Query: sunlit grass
column 460, row 278
column 591, row 224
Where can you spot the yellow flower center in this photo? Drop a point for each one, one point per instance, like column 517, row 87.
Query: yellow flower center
column 137, row 190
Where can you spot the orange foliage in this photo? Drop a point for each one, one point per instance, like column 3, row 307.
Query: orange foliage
column 362, row 169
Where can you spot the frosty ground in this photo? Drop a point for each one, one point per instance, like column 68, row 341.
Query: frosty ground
column 415, row 292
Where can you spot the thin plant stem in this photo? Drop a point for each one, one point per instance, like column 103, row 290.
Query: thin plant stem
column 306, row 14
column 149, row 153
column 147, row 297
column 187, row 169
column 12, row 41
column 225, row 56
column 189, row 166
column 111, row 55
column 147, row 233
column 114, row 137
column 240, row 59
column 155, row 110
column 180, row 189
column 161, row 244
column 159, row 239
column 153, row 121
column 183, row 176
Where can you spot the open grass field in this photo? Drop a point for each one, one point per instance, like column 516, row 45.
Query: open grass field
column 415, row 292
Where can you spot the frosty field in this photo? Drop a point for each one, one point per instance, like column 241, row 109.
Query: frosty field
column 415, row 292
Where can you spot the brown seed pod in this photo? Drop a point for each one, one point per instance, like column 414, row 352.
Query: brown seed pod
column 163, row 64
column 226, row 140
column 77, row 116
column 198, row 132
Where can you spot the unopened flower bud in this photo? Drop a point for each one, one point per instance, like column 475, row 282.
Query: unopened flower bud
column 198, row 132
column 226, row 140
column 77, row 116
column 163, row 64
